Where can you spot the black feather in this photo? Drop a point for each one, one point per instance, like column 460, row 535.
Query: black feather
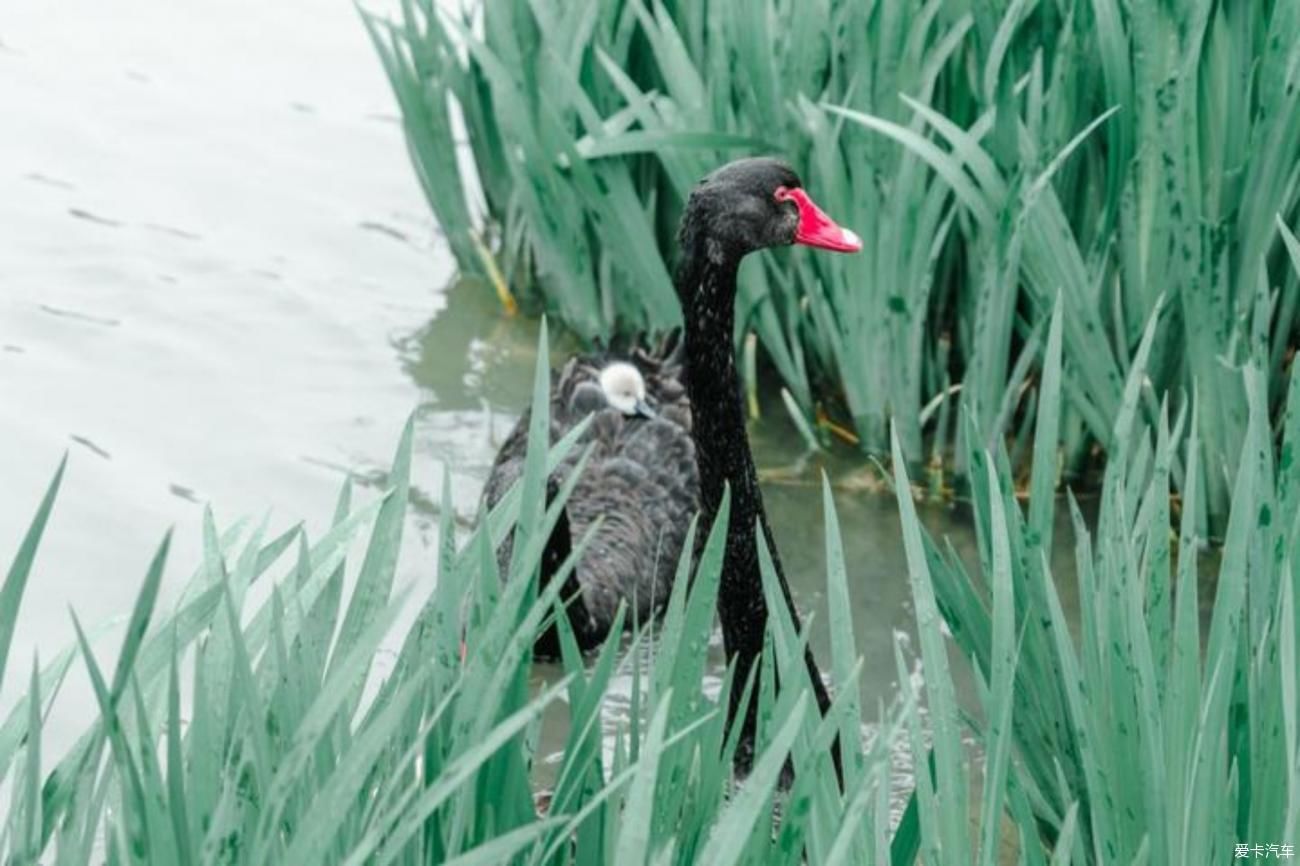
column 640, row 485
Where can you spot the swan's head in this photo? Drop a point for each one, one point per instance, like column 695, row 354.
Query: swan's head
column 625, row 389
column 755, row 203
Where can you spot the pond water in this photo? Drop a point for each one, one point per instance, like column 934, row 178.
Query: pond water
column 219, row 284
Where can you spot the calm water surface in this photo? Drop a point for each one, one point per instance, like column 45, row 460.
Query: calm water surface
column 219, row 284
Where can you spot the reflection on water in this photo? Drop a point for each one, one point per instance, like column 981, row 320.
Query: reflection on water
column 220, row 285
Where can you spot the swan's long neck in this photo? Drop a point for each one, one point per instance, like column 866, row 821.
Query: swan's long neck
column 706, row 284
column 718, row 420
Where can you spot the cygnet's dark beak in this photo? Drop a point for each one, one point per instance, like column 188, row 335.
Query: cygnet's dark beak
column 644, row 409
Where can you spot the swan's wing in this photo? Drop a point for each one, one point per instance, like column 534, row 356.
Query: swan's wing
column 667, row 452
column 640, row 483
column 602, row 437
column 640, row 499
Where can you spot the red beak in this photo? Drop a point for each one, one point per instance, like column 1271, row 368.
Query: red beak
column 816, row 229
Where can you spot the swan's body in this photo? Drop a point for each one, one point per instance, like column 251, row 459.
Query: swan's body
column 640, row 482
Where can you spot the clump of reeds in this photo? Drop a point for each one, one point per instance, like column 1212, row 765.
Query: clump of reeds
column 230, row 735
column 998, row 158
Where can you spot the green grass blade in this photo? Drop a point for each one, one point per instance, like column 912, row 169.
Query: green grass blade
column 736, row 825
column 20, row 569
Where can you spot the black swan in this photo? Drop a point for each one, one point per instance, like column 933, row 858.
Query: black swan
column 648, row 476
column 640, row 480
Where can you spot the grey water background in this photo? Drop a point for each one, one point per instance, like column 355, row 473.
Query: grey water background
column 219, row 284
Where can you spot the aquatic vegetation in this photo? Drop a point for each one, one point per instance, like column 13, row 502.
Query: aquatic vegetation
column 1144, row 733
column 228, row 734
column 1134, row 161
column 231, row 734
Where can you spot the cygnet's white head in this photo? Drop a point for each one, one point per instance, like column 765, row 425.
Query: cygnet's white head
column 625, row 389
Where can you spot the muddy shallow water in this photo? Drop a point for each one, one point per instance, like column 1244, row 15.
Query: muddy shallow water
column 219, row 284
